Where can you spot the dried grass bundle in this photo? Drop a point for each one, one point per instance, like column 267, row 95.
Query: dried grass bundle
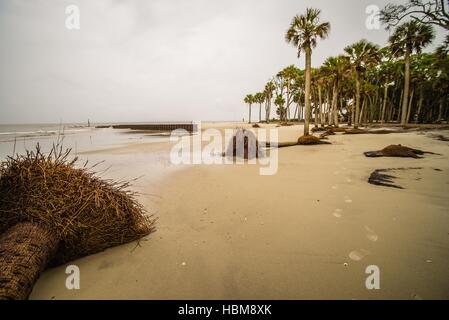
column 310, row 140
column 86, row 213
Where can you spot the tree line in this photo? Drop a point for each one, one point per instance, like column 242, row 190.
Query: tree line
column 366, row 83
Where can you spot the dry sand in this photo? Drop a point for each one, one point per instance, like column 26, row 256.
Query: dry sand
column 308, row 232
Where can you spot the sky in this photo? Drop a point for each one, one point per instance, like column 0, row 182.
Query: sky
column 156, row 60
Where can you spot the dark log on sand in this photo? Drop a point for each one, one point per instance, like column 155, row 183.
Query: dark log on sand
column 25, row 251
column 310, row 140
column 397, row 151
column 302, row 141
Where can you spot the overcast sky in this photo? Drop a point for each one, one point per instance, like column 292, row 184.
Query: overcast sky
column 155, row 60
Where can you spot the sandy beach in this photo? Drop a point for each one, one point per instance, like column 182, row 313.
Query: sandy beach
column 308, row 232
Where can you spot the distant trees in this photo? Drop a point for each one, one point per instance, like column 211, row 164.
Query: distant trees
column 365, row 84
column 362, row 55
column 408, row 38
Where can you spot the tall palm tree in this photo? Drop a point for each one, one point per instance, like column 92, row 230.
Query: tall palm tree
column 268, row 93
column 259, row 98
column 249, row 100
column 303, row 34
column 336, row 68
column 409, row 37
column 362, row 55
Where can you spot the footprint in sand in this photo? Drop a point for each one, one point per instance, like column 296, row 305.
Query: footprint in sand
column 358, row 255
column 334, row 187
column 347, row 199
column 348, row 180
column 337, row 213
column 372, row 236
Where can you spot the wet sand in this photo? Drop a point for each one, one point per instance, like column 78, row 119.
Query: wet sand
column 308, row 232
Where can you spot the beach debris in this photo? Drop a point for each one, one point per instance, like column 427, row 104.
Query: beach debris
column 429, row 261
column 365, row 131
column 380, row 177
column 256, row 126
column 326, row 134
column 397, row 151
column 310, row 140
column 440, row 137
column 244, row 145
column 355, row 131
column 345, row 264
column 335, row 129
column 183, row 263
column 52, row 212
column 319, row 129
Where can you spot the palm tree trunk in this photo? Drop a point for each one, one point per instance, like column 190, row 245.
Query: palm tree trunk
column 249, row 113
column 328, row 120
column 384, row 105
column 440, row 109
column 359, row 119
column 421, row 100
column 406, row 87
column 267, row 109
column 409, row 110
column 320, row 106
column 25, row 251
column 334, row 103
column 260, row 112
column 357, row 100
column 315, row 109
column 308, row 51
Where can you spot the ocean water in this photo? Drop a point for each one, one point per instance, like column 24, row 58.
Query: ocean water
column 18, row 138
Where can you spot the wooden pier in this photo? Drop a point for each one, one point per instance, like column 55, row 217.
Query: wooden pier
column 165, row 127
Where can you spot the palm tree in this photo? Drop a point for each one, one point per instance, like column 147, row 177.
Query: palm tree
column 281, row 110
column 249, row 99
column 362, row 55
column 259, row 98
column 336, row 68
column 409, row 37
column 303, row 34
column 268, row 94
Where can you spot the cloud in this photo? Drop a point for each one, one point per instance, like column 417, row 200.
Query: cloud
column 153, row 60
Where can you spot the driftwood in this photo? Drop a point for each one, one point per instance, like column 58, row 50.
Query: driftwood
column 397, row 151
column 244, row 145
